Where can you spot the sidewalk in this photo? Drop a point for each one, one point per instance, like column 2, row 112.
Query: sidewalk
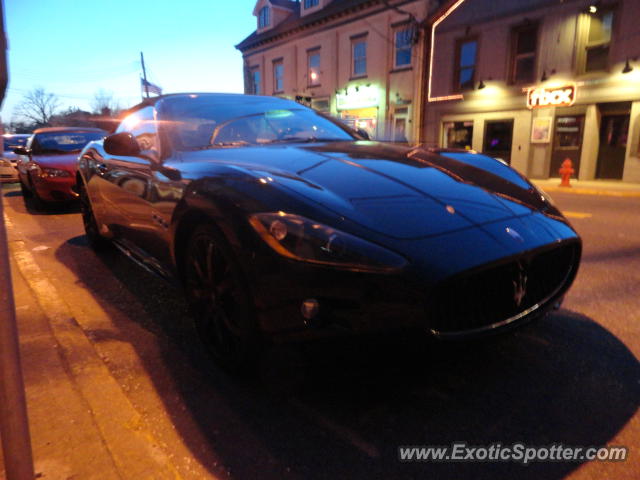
column 82, row 425
column 591, row 187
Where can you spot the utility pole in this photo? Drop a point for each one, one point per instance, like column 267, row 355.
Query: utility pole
column 144, row 76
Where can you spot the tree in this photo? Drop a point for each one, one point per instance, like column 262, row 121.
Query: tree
column 37, row 106
column 103, row 103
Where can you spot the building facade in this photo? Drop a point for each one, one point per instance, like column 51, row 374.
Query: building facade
column 536, row 82
column 359, row 60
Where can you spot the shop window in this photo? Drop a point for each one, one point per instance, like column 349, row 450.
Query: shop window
column 359, row 54
column 278, row 76
column 313, row 67
column 458, row 135
column 465, row 67
column 598, row 41
column 254, row 81
column 264, row 19
column 320, row 105
column 311, row 3
column 403, row 46
column 524, row 43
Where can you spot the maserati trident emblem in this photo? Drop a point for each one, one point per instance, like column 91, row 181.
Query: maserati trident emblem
column 520, row 285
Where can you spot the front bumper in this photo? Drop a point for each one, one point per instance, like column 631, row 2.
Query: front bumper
column 55, row 189
column 8, row 172
column 460, row 307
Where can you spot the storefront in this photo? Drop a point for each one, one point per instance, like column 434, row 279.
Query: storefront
column 358, row 107
column 556, row 122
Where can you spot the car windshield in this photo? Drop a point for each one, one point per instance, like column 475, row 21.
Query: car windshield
column 63, row 142
column 13, row 142
column 200, row 122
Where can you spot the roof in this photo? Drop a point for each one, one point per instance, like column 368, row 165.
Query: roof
column 294, row 21
column 67, row 129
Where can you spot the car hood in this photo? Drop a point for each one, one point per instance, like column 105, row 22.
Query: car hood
column 66, row 161
column 396, row 191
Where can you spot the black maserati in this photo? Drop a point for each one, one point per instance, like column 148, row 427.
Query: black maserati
column 281, row 222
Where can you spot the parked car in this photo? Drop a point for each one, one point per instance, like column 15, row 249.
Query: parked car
column 282, row 223
column 8, row 160
column 47, row 164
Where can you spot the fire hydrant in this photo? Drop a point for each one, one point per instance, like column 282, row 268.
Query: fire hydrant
column 566, row 170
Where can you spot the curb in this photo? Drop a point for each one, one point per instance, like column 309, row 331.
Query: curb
column 133, row 448
column 588, row 191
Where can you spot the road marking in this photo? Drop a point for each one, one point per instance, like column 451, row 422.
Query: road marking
column 343, row 432
column 577, row 214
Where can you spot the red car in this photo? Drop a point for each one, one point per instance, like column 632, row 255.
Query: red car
column 47, row 165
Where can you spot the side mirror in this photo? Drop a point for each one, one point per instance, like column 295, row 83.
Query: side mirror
column 122, row 144
column 363, row 133
column 21, row 151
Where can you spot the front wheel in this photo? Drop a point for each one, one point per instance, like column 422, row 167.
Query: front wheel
column 96, row 241
column 220, row 301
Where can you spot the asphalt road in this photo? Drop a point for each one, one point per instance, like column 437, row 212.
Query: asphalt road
column 342, row 409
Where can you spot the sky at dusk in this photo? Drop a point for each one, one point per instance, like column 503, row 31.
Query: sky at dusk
column 73, row 48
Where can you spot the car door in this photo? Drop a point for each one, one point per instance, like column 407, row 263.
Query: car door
column 141, row 195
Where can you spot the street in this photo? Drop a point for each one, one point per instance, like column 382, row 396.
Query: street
column 341, row 409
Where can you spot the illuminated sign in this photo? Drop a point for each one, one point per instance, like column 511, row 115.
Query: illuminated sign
column 358, row 97
column 551, row 97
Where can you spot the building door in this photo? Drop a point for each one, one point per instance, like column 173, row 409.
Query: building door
column 400, row 130
column 567, row 143
column 498, row 136
column 614, row 130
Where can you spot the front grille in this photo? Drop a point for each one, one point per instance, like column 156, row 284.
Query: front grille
column 490, row 296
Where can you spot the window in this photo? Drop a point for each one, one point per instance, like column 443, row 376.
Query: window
column 598, row 41
column 458, row 135
column 143, row 126
column 310, row 3
column 278, row 76
column 465, row 71
column 524, row 42
column 359, row 53
column 264, row 17
column 254, row 81
column 404, row 41
column 313, row 67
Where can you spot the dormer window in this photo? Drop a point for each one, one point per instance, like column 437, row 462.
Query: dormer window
column 264, row 17
column 310, row 3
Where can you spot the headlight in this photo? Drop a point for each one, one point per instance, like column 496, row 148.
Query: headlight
column 52, row 172
column 302, row 239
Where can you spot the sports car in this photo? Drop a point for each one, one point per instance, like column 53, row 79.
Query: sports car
column 281, row 223
column 47, row 163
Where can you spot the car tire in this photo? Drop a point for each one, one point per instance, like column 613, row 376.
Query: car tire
column 26, row 193
column 96, row 241
column 37, row 202
column 220, row 301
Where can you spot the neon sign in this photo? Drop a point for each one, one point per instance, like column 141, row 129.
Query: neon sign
column 564, row 96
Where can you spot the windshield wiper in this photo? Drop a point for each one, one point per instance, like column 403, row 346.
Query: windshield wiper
column 306, row 140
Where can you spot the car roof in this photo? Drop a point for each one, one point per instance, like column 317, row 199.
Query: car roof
column 67, row 129
column 153, row 100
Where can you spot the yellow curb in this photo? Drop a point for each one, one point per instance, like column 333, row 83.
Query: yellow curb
column 590, row 191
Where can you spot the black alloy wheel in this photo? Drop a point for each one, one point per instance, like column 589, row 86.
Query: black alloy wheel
column 96, row 241
column 220, row 301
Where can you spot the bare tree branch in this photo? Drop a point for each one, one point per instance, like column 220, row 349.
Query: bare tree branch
column 103, row 102
column 37, row 106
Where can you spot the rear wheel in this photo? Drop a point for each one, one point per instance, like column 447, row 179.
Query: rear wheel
column 220, row 301
column 96, row 241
